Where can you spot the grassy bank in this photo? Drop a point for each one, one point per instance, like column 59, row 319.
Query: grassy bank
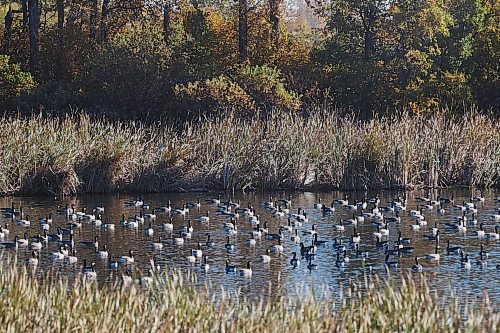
column 79, row 154
column 28, row 305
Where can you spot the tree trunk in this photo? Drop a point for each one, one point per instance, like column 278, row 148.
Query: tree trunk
column 24, row 10
column 275, row 20
column 104, row 16
column 243, row 30
column 166, row 21
column 60, row 39
column 34, row 22
column 93, row 18
column 9, row 18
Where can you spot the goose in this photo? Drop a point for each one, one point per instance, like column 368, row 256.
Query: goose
column 310, row 265
column 394, row 251
column 339, row 262
column 256, row 231
column 295, row 237
column 215, row 201
column 102, row 254
column 205, row 218
column 67, row 210
column 462, row 228
column 196, row 204
column 253, row 219
column 480, row 198
column 149, row 231
column 191, row 258
column 481, row 262
column 495, row 217
column 187, row 230
column 24, row 222
column 150, row 216
column 89, row 272
column 417, row 267
column 198, row 253
column 113, row 264
column 107, row 225
column 427, row 206
column 228, row 245
column 205, row 266
column 56, row 237
column 318, row 205
column 209, row 242
column 327, row 210
column 247, row 272
column 137, row 202
column 97, row 222
column 390, row 264
column 264, row 230
column 360, row 253
column 251, row 242
column 480, row 233
column 4, row 231
column 415, row 226
column 269, row 203
column 441, row 210
column 382, row 243
column 123, row 221
column 349, row 206
column 422, row 199
column 157, row 245
column 133, row 223
column 378, row 233
column 265, row 258
column 303, row 218
column 356, row 236
column 341, row 201
column 165, row 209
column 33, row 261
column 435, row 255
column 459, row 208
column 178, row 240
column 492, row 235
column 432, row 237
column 125, row 260
column 23, row 241
column 374, row 201
column 310, row 232
column 287, row 227
column 99, row 209
column 465, row 263
column 127, row 278
column 449, row 249
column 46, row 220
column 485, row 254
column 94, row 243
column 277, row 248
column 395, row 219
column 139, row 218
column 71, row 259
column 345, row 258
column 294, row 261
column 317, row 242
column 362, row 204
column 230, row 268
column 338, row 245
column 433, row 231
column 340, row 226
column 59, row 255
column 279, row 213
column 36, row 244
column 77, row 223
column 279, row 235
column 473, row 220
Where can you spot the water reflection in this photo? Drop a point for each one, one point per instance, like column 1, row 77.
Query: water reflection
column 278, row 277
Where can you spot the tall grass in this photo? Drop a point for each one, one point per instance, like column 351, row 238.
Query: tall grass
column 80, row 154
column 172, row 305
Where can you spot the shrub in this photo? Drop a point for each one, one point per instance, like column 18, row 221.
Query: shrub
column 14, row 82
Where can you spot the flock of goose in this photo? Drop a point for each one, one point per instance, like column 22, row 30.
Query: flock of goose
column 296, row 231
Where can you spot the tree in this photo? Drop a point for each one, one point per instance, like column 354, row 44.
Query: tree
column 243, row 30
column 34, row 23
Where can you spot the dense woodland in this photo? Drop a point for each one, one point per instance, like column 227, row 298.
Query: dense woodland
column 154, row 58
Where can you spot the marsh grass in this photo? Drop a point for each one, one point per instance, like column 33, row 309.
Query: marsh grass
column 79, row 154
column 172, row 304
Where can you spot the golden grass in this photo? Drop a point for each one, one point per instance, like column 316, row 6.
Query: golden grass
column 79, row 154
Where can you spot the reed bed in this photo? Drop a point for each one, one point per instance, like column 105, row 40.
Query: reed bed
column 79, row 154
column 168, row 304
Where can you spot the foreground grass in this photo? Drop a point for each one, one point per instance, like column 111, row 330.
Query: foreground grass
column 79, row 154
column 171, row 305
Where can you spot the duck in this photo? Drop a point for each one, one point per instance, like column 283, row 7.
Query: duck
column 178, row 240
column 265, row 258
column 294, row 261
column 102, row 254
column 125, row 260
column 228, row 245
column 205, row 267
column 417, row 267
column 247, row 272
column 157, row 245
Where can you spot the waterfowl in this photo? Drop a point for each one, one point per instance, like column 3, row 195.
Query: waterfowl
column 139, row 218
column 374, row 201
column 150, row 216
column 381, row 243
column 310, row 232
column 4, row 231
column 277, row 248
column 295, row 237
column 24, row 222
column 318, row 205
column 107, row 225
column 56, row 237
column 230, row 268
column 339, row 262
column 198, row 253
column 417, row 267
column 247, row 272
column 102, row 254
column 344, row 257
column 149, row 231
column 310, row 264
column 495, row 217
column 178, row 240
column 279, row 235
column 269, row 203
column 441, row 210
column 196, row 204
column 89, row 272
column 422, row 199
column 432, row 237
column 264, row 230
column 480, row 233
column 157, row 245
column 165, row 209
column 71, row 259
column 395, row 219
column 391, row 264
column 124, row 260
column 168, row 226
column 133, row 223
column 265, row 258
column 317, row 242
column 251, row 241
column 94, row 243
column 23, row 241
column 492, row 235
column 228, row 245
column 205, row 266
column 209, row 242
column 435, row 255
column 481, row 262
column 46, row 220
column 434, row 231
column 33, row 261
column 59, row 255
column 360, row 253
column 294, row 261
column 485, row 254
column 340, row 226
column 187, row 230
column 279, row 213
column 123, row 220
column 459, row 208
column 191, row 258
column 447, row 200
column 327, row 210
column 338, row 245
column 341, row 201
column 465, row 262
column 97, row 222
column 287, row 227
column 113, row 264
column 454, row 249
column 205, row 218
column 36, row 244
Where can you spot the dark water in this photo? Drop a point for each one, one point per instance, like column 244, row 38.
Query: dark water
column 279, row 276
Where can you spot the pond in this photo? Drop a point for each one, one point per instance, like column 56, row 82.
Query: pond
column 279, row 277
